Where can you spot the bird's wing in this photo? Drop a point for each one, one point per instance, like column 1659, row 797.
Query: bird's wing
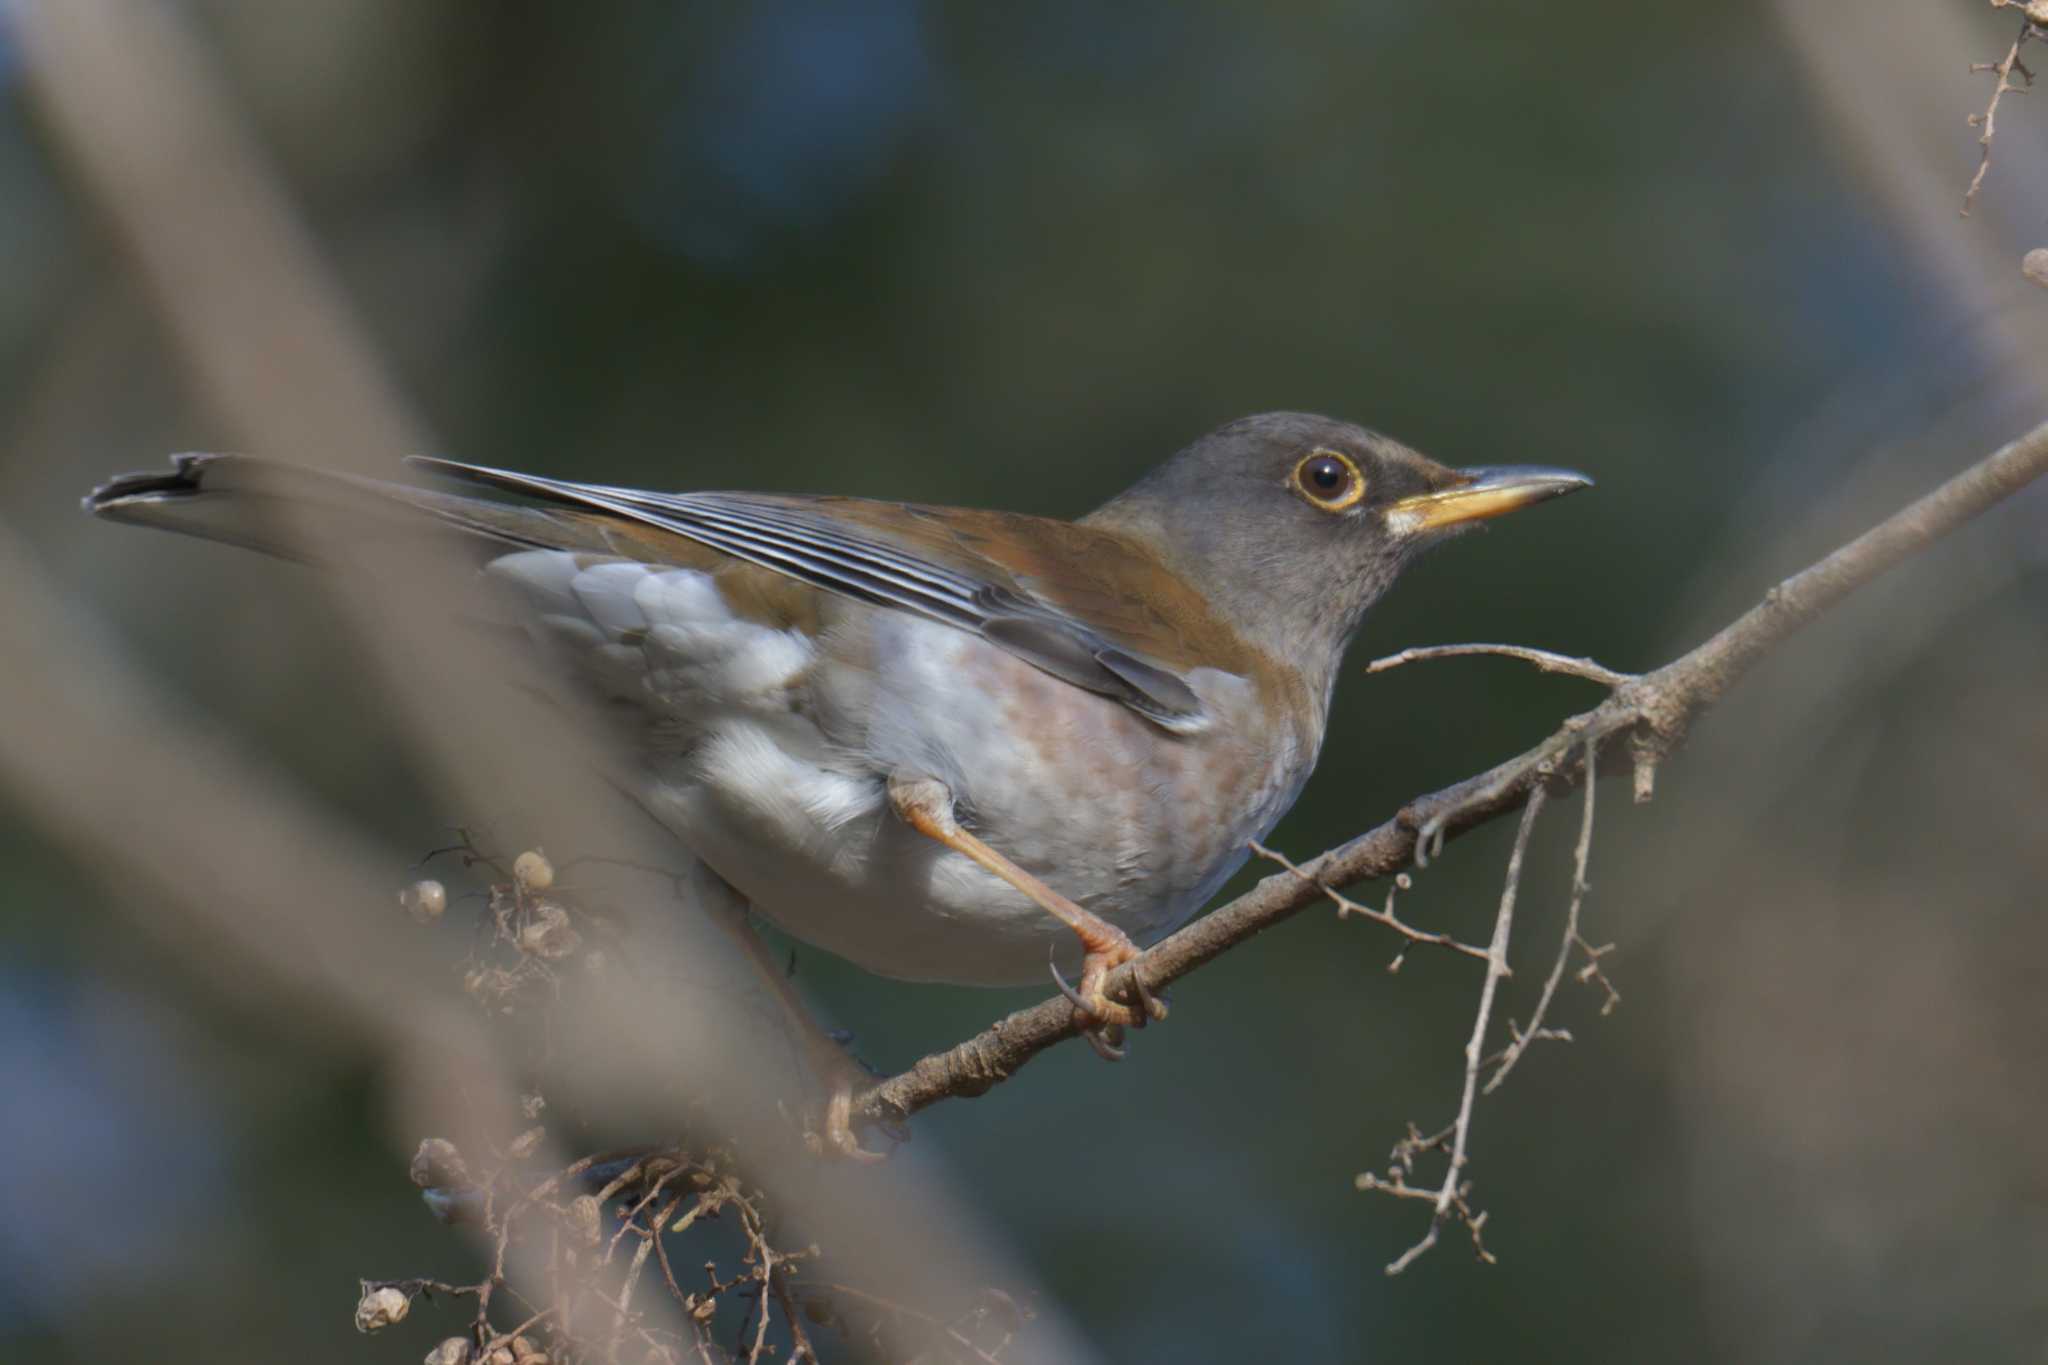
column 1086, row 605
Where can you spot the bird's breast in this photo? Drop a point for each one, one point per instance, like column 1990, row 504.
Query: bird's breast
column 1139, row 824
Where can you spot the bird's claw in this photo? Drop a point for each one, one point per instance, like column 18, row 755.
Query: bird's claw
column 834, row 1137
column 1103, row 1020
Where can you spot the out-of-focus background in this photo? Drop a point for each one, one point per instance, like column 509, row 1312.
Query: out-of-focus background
column 1012, row 256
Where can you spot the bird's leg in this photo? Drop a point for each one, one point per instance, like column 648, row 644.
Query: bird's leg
column 840, row 1074
column 926, row 805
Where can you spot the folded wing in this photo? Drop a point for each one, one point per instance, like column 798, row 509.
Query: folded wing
column 1015, row 581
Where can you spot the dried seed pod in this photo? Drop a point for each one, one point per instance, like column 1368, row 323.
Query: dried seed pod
column 379, row 1308
column 424, row 900
column 437, row 1165
column 453, row 1351
column 533, row 871
column 547, row 932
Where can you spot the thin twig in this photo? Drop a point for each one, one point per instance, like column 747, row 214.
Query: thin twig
column 1593, row 971
column 761, row 1329
column 2004, row 68
column 800, row 1342
column 1566, row 942
column 648, row 1237
column 1453, row 1189
column 1347, row 906
column 1547, row 660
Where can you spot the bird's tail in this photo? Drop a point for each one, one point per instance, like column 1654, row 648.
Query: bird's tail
column 239, row 499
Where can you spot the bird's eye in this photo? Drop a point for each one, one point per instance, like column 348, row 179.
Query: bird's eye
column 1329, row 480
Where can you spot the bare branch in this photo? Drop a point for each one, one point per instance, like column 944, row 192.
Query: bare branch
column 1544, row 659
column 1651, row 715
column 2035, row 16
column 1452, row 1194
column 1566, row 942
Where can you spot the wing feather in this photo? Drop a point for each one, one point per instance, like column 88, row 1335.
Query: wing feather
column 819, row 543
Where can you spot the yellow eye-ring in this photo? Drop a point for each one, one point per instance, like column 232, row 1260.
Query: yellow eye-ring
column 1329, row 480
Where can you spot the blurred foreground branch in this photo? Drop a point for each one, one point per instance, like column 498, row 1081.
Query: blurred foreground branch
column 133, row 108
column 1649, row 715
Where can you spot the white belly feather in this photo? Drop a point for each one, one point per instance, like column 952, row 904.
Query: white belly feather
column 772, row 768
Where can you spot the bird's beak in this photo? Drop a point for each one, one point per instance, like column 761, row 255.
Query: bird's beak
column 1482, row 493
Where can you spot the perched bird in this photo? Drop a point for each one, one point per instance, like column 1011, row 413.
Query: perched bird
column 949, row 744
